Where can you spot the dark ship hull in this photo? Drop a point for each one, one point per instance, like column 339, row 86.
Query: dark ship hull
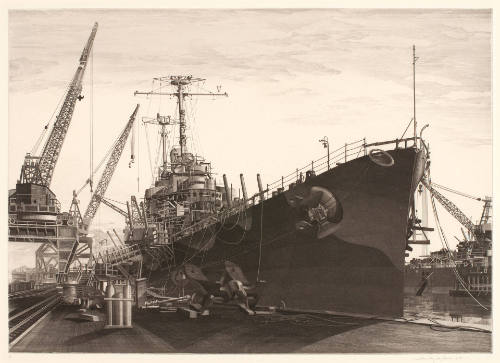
column 353, row 262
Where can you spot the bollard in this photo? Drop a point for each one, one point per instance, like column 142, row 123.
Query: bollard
column 127, row 308
column 118, row 310
column 110, row 291
column 69, row 294
column 140, row 291
column 119, row 306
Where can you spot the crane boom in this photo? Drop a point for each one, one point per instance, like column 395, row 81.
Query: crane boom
column 452, row 208
column 114, row 207
column 107, row 174
column 53, row 145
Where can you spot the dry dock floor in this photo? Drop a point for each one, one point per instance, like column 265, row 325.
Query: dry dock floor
column 228, row 330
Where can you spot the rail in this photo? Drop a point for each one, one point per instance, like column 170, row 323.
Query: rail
column 220, row 216
column 39, row 224
column 53, row 205
column 24, row 320
column 32, row 292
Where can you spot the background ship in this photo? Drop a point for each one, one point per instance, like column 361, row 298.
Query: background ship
column 464, row 271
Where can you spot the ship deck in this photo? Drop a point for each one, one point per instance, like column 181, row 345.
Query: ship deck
column 229, row 330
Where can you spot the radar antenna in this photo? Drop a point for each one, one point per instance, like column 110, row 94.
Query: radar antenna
column 180, row 82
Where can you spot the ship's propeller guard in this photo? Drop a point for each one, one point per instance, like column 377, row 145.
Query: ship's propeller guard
column 381, row 157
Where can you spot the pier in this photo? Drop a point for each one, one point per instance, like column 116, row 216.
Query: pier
column 228, row 330
column 312, row 261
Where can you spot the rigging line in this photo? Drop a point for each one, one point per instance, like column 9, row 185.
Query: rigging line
column 149, row 153
column 46, row 128
column 138, row 156
column 442, row 237
column 455, row 191
column 113, row 200
column 213, row 235
column 91, row 177
column 196, row 141
column 96, row 169
column 159, row 105
column 260, row 242
column 174, row 129
column 234, row 243
column 157, row 159
column 407, row 128
column 190, row 125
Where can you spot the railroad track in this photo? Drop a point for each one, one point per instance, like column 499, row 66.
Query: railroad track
column 28, row 293
column 20, row 323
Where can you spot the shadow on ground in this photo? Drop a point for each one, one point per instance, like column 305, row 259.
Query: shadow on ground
column 228, row 330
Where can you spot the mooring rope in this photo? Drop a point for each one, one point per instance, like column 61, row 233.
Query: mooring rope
column 260, row 242
column 444, row 243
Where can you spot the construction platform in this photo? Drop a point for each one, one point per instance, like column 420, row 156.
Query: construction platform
column 229, row 330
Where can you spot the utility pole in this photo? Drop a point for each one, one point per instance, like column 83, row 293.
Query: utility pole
column 326, row 145
column 414, row 103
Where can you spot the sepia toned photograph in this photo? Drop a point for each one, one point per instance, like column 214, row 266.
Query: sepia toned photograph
column 280, row 180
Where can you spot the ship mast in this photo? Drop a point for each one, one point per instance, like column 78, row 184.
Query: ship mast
column 162, row 121
column 414, row 104
column 180, row 82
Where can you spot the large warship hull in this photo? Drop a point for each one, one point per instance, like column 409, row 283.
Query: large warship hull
column 352, row 263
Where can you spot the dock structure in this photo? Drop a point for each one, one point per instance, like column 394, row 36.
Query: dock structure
column 228, row 330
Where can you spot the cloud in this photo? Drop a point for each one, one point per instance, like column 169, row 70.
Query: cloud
column 468, row 95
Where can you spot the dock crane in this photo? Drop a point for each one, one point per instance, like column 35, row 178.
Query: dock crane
column 33, row 200
column 85, row 221
column 107, row 174
column 454, row 210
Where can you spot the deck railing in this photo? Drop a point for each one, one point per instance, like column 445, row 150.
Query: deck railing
column 342, row 154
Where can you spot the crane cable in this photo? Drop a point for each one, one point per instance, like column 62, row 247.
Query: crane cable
column 46, row 127
column 404, row 133
column 147, row 138
column 138, row 157
column 444, row 243
column 257, row 280
column 456, row 192
column 91, row 166
column 96, row 169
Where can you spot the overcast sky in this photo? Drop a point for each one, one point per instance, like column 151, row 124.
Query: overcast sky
column 293, row 76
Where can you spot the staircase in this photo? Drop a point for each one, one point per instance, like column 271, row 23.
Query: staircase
column 124, row 254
